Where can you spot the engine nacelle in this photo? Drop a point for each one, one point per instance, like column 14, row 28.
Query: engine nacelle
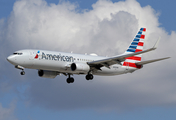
column 80, row 67
column 47, row 74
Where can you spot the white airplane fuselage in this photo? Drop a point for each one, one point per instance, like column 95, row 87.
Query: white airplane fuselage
column 60, row 62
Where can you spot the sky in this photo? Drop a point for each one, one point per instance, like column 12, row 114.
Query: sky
column 103, row 27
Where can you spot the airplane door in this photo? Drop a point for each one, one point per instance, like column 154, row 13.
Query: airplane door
column 31, row 58
column 32, row 55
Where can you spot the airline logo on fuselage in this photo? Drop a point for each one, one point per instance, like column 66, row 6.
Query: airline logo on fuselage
column 59, row 57
column 37, row 55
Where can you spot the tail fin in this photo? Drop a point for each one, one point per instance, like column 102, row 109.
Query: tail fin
column 136, row 46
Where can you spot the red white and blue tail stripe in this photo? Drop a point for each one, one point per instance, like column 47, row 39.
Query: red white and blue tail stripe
column 136, row 46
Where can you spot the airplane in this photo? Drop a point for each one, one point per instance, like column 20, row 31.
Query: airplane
column 51, row 63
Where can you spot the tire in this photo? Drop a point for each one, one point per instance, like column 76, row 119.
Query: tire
column 68, row 80
column 87, row 77
column 22, row 73
column 91, row 77
column 71, row 80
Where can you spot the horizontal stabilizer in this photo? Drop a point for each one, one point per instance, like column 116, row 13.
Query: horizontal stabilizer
column 150, row 61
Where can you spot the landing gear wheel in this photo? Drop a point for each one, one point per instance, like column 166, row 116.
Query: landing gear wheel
column 89, row 77
column 70, row 80
column 22, row 73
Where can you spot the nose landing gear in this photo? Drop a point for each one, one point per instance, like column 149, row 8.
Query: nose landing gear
column 21, row 68
column 22, row 72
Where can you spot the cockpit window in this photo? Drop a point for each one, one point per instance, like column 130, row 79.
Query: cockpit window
column 17, row 53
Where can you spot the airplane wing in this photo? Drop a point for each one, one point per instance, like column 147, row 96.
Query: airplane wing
column 117, row 59
column 114, row 60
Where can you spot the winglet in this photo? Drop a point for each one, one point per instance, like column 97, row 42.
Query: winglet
column 156, row 44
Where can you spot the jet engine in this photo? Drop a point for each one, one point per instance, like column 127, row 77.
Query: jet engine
column 47, row 74
column 80, row 68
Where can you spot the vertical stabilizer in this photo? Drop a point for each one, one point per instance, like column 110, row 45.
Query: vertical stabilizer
column 136, row 46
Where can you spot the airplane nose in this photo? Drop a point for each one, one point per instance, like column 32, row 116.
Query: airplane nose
column 11, row 58
column 8, row 58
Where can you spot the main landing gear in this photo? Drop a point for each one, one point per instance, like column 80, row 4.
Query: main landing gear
column 89, row 77
column 70, row 79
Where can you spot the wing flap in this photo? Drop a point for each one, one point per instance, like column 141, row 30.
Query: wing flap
column 150, row 61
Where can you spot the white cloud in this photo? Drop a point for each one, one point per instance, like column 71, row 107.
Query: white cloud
column 107, row 29
column 7, row 113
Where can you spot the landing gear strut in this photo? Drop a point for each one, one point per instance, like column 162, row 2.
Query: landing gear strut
column 89, row 77
column 70, row 79
column 21, row 68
